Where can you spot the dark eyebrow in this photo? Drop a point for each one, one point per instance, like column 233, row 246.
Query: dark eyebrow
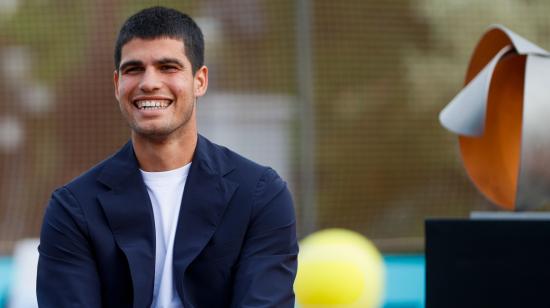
column 164, row 61
column 130, row 63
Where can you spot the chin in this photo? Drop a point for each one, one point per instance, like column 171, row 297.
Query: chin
column 151, row 132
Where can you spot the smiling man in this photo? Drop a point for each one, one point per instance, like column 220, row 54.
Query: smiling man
column 171, row 219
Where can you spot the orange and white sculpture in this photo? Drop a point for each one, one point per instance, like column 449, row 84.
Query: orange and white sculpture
column 502, row 117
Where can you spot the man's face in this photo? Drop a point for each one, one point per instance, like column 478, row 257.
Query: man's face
column 156, row 88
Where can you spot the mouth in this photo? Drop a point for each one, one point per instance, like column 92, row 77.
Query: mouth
column 152, row 104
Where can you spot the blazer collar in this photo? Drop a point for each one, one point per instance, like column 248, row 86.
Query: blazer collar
column 129, row 212
column 205, row 198
column 124, row 163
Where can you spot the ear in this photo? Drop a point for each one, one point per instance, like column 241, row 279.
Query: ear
column 200, row 81
column 115, row 80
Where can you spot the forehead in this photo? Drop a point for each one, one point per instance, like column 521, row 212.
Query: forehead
column 151, row 49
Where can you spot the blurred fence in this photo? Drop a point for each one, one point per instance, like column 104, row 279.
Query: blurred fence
column 342, row 97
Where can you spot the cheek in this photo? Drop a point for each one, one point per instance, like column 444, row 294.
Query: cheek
column 122, row 89
column 180, row 86
column 125, row 87
column 190, row 89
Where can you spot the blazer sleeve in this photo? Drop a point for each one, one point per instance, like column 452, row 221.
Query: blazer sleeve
column 265, row 273
column 67, row 274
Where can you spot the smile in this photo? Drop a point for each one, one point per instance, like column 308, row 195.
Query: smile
column 152, row 104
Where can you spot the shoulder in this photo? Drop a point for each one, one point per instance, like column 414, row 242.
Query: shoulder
column 257, row 182
column 244, row 169
column 230, row 163
column 87, row 180
column 87, row 185
column 261, row 182
column 75, row 197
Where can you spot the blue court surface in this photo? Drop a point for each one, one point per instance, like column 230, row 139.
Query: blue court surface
column 405, row 281
column 5, row 279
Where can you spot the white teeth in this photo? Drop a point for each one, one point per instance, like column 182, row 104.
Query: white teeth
column 152, row 104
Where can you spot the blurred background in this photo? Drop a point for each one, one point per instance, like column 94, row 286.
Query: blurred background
column 340, row 97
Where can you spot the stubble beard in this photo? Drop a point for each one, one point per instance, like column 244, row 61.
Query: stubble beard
column 158, row 134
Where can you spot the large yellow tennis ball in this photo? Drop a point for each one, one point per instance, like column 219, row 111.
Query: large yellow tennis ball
column 339, row 268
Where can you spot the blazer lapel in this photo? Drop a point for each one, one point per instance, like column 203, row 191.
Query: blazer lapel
column 204, row 200
column 129, row 213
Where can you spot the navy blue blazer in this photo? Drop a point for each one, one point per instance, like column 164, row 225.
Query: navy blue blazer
column 235, row 242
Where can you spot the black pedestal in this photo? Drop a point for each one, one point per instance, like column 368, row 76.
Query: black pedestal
column 487, row 263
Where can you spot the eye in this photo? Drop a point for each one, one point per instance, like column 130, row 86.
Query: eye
column 132, row 70
column 169, row 68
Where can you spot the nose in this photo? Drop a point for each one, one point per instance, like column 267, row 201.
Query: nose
column 150, row 81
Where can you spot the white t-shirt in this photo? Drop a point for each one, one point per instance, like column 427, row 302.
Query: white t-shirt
column 165, row 190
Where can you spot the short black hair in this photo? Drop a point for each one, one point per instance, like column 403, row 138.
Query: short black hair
column 162, row 22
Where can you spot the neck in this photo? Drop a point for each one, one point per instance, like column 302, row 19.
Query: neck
column 166, row 154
